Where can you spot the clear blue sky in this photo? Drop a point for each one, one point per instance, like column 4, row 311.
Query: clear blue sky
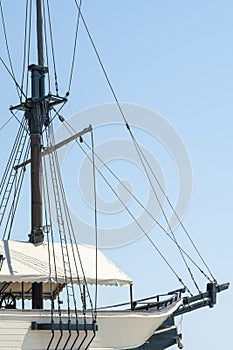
column 174, row 57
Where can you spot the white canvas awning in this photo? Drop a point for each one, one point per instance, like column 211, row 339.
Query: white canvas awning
column 28, row 263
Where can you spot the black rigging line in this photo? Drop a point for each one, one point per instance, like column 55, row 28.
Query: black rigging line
column 62, row 236
column 11, row 183
column 138, row 149
column 50, row 274
column 142, row 156
column 25, row 125
column 18, row 187
column 25, row 47
column 46, row 50
column 12, row 76
column 136, row 221
column 147, row 211
column 52, row 47
column 139, row 152
column 7, row 46
column 138, row 201
column 118, row 179
column 29, row 44
column 100, row 62
column 11, row 158
column 69, row 225
column 5, row 124
column 95, row 217
column 71, row 238
column 74, row 50
column 48, row 206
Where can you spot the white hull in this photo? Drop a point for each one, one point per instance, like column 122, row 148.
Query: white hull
column 116, row 329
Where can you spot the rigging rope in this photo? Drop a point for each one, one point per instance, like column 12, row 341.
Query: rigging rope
column 95, row 218
column 18, row 187
column 135, row 220
column 47, row 208
column 100, row 61
column 137, row 147
column 139, row 152
column 67, row 126
column 24, row 50
column 74, row 50
column 68, row 236
column 29, row 45
column 10, row 179
column 52, row 48
column 12, row 156
column 25, row 126
column 46, row 51
column 65, row 215
column 7, row 46
column 5, row 124
column 143, row 158
column 62, row 234
column 12, row 76
column 147, row 211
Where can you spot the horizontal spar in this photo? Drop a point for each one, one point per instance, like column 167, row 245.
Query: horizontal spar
column 48, row 150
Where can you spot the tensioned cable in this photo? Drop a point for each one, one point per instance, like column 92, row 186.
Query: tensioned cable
column 52, row 48
column 100, row 62
column 55, row 265
column 96, row 236
column 9, row 167
column 139, row 151
column 18, row 187
column 9, row 180
column 66, row 213
column 68, row 234
column 12, row 76
column 147, row 211
column 104, row 70
column 7, row 45
column 74, row 50
column 5, row 124
column 137, row 222
column 117, row 178
column 47, row 203
column 70, row 231
column 61, row 225
column 46, row 50
column 20, row 122
column 171, row 206
column 138, row 201
column 29, row 44
column 122, row 113
column 24, row 47
column 142, row 229
column 69, row 222
column 63, row 240
column 47, row 222
column 95, row 217
column 10, row 159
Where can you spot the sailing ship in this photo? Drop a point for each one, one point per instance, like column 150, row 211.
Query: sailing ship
column 46, row 299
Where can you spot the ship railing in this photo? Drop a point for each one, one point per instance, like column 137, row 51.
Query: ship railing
column 158, row 302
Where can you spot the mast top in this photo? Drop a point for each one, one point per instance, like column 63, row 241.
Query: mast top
column 40, row 34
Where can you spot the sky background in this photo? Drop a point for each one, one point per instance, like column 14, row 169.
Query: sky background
column 176, row 58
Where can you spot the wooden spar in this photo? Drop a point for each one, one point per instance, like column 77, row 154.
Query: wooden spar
column 49, row 150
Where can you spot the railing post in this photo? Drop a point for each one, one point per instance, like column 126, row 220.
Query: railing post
column 131, row 296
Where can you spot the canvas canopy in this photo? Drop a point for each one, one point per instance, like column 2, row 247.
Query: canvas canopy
column 28, row 263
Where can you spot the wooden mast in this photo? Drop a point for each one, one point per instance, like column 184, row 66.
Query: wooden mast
column 38, row 113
